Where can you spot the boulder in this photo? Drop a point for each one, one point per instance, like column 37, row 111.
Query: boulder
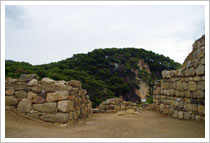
column 28, row 77
column 46, row 107
column 33, row 82
column 24, row 105
column 9, row 92
column 10, row 100
column 56, row 118
column 65, row 106
column 56, row 96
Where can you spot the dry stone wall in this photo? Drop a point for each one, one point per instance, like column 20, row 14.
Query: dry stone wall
column 181, row 93
column 116, row 104
column 47, row 100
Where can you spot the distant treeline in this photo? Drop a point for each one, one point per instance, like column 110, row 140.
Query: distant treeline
column 104, row 73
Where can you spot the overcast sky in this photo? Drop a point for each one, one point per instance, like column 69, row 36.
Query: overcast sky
column 44, row 34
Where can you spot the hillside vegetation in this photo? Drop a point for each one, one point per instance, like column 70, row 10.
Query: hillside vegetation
column 104, row 73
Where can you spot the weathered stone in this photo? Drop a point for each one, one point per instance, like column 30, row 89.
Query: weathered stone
column 20, row 94
column 187, row 93
column 181, row 105
column 195, row 63
column 10, row 100
column 194, row 108
column 179, row 85
column 192, row 85
column 168, row 74
column 198, row 117
column 180, row 115
column 38, row 100
column 162, row 107
column 189, row 64
column 181, row 93
column 33, row 115
column 47, row 81
column 187, row 116
column 56, row 96
column 131, row 111
column 171, row 111
column 202, row 61
column 200, row 70
column 189, row 107
column 177, row 93
column 201, row 109
column 46, row 107
column 9, row 92
column 31, row 95
column 65, row 106
column 56, row 118
column 164, row 74
column 200, row 94
column 197, row 78
column 28, row 77
column 185, row 86
column 33, row 82
column 201, row 85
column 173, row 85
column 175, row 115
column 75, row 83
column 24, row 106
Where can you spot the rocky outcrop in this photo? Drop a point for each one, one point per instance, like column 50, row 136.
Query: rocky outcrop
column 48, row 100
column 181, row 93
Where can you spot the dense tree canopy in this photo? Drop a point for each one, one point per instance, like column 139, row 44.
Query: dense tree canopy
column 105, row 73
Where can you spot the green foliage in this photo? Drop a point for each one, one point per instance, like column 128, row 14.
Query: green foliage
column 150, row 100
column 104, row 73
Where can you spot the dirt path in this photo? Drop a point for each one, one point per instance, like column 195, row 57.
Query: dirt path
column 147, row 125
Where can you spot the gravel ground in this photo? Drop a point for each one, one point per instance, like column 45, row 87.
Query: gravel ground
column 149, row 124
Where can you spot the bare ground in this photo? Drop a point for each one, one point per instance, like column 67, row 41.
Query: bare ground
column 149, row 124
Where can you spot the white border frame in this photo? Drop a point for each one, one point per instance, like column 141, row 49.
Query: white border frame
column 4, row 3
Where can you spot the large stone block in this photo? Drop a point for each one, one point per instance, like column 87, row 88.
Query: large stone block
column 200, row 70
column 10, row 100
column 24, row 106
column 9, row 92
column 179, row 85
column 56, row 118
column 180, row 115
column 56, row 96
column 46, row 107
column 201, row 85
column 65, row 106
column 74, row 83
column 192, row 85
column 201, row 109
column 20, row 94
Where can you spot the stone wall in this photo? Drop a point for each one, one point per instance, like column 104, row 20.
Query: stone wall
column 181, row 93
column 47, row 100
column 116, row 104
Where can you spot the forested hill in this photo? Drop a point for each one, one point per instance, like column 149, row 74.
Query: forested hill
column 104, row 73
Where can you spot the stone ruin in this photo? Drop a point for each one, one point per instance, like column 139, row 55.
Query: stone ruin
column 47, row 100
column 181, row 93
column 117, row 105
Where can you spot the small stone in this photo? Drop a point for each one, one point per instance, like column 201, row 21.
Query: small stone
column 201, row 85
column 24, row 106
column 202, row 61
column 38, row 100
column 179, row 85
column 200, row 94
column 9, row 92
column 187, row 93
column 175, row 114
column 185, row 85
